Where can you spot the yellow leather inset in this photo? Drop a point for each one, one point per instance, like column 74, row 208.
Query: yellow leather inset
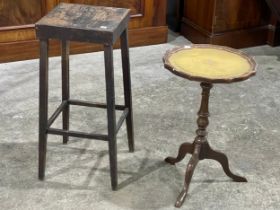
column 209, row 63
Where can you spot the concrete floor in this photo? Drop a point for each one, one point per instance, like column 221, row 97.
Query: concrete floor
column 244, row 124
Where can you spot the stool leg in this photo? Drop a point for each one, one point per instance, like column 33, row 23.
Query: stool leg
column 111, row 113
column 127, row 89
column 43, row 107
column 65, row 85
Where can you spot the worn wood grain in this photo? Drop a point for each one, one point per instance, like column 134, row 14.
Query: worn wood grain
column 78, row 16
column 136, row 6
column 86, row 23
column 19, row 12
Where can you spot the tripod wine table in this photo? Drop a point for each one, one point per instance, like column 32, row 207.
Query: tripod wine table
column 207, row 64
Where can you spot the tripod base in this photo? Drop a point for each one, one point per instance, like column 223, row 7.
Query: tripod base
column 199, row 151
column 200, row 148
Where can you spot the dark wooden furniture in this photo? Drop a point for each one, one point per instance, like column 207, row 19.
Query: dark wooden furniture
column 101, row 25
column 234, row 23
column 274, row 5
column 147, row 26
column 207, row 64
column 274, row 33
column 174, row 14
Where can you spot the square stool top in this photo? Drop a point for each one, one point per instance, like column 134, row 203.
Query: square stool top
column 84, row 23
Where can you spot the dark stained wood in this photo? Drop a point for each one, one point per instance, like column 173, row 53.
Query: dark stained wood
column 239, row 14
column 77, row 22
column 235, row 38
column 273, row 37
column 43, row 107
column 234, row 23
column 200, row 148
column 274, row 5
column 274, row 27
column 111, row 113
column 65, row 86
column 127, row 89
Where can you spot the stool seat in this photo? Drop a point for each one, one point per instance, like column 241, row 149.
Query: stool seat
column 210, row 63
column 78, row 22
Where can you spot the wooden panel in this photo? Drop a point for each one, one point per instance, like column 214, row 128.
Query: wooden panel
column 19, row 12
column 239, row 14
column 136, row 6
column 200, row 12
column 17, row 34
column 159, row 12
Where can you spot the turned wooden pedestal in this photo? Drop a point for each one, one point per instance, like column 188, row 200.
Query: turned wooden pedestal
column 208, row 60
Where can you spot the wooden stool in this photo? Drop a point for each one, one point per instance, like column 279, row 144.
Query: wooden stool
column 207, row 64
column 102, row 25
